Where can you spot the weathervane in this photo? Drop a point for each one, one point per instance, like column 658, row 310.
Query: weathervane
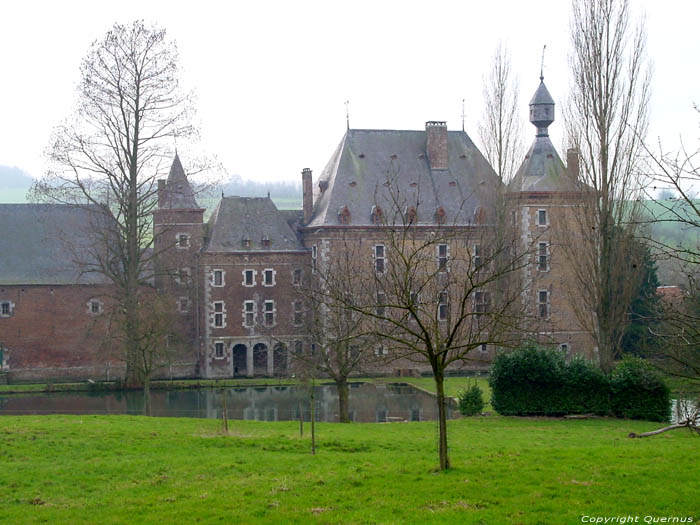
column 347, row 113
column 542, row 64
column 463, row 115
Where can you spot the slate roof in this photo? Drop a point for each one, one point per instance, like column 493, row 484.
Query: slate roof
column 542, row 169
column 46, row 244
column 178, row 192
column 237, row 218
column 356, row 177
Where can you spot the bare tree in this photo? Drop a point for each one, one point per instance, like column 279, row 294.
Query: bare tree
column 606, row 121
column 109, row 155
column 440, row 295
column 500, row 127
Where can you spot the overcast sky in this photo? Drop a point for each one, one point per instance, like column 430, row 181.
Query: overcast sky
column 271, row 78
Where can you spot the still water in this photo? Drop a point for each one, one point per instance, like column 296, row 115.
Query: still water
column 368, row 403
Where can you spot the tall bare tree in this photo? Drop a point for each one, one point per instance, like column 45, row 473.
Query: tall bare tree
column 606, row 121
column 109, row 154
column 501, row 126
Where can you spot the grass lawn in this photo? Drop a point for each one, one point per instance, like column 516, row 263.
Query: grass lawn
column 124, row 469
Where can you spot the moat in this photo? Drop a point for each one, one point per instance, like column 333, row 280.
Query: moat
column 368, row 403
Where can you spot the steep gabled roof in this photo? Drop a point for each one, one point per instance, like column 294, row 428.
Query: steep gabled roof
column 236, row 219
column 542, row 169
column 178, row 191
column 387, row 168
column 48, row 244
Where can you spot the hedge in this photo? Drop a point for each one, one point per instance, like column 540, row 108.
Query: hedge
column 541, row 382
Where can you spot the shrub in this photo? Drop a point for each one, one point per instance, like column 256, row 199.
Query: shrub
column 471, row 400
column 638, row 392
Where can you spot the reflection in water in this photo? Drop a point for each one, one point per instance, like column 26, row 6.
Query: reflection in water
column 368, row 403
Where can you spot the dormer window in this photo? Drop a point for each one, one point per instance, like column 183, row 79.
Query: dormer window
column 479, row 216
column 265, row 241
column 411, row 215
column 245, row 242
column 377, row 215
column 440, row 215
column 344, row 215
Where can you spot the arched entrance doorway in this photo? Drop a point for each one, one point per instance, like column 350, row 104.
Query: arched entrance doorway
column 240, row 363
column 260, row 359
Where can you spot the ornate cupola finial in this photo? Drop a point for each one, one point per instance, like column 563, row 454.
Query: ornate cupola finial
column 542, row 109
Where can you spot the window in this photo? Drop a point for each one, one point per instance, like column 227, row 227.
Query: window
column 298, row 347
column 482, row 302
column 183, row 240
column 381, row 303
column 218, row 350
column 542, row 218
column 296, row 277
column 269, row 313
column 183, row 305
column 564, row 348
column 249, row 277
column 219, row 315
column 269, row 277
column 443, row 306
column 183, row 276
column 217, row 278
column 442, row 256
column 298, row 313
column 381, row 350
column 379, row 258
column 94, row 307
column 248, row 314
column 6, row 308
column 414, row 298
column 543, row 304
column 313, row 348
column 483, row 348
column 543, row 257
column 477, row 256
column 314, row 258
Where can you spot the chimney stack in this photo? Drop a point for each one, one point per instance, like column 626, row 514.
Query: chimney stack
column 572, row 164
column 308, row 194
column 436, row 132
column 161, row 193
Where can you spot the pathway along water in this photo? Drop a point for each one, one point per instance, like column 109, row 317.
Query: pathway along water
column 368, row 403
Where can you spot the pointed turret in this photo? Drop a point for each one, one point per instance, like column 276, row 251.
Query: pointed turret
column 176, row 193
column 542, row 109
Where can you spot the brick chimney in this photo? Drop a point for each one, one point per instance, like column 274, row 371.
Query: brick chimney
column 161, row 192
column 308, row 194
column 572, row 166
column 436, row 132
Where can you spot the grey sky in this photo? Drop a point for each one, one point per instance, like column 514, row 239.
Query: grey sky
column 271, row 78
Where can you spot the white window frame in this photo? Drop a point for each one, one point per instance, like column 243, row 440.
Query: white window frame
column 547, row 304
column 546, row 217
column 297, row 276
column 100, row 306
column 443, row 266
column 482, row 307
column 381, row 350
column 218, row 317
column 252, row 311
column 187, row 244
column 541, row 254
column 272, row 311
column 187, row 272
column 255, row 275
column 222, row 344
column 222, row 273
column 565, row 348
column 378, row 258
column 10, row 308
column 443, row 306
column 183, row 301
column 314, row 258
column 264, row 277
column 484, row 348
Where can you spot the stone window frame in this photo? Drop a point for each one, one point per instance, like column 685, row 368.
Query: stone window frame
column 297, row 312
column 484, row 348
column 216, row 345
column 380, row 350
column 543, row 256
column 541, row 211
column 178, row 240
column 546, row 304
column 254, row 279
column 380, row 308
column 246, row 312
column 377, row 258
column 297, row 276
column 217, row 317
column 184, row 271
column 565, row 348
column 314, row 258
column 272, row 311
column 443, row 306
column 443, row 261
column 7, row 308
column 95, row 306
column 214, row 273
column 264, row 277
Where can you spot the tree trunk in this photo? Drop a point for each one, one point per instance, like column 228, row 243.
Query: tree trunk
column 343, row 397
column 147, row 396
column 442, row 421
column 313, row 420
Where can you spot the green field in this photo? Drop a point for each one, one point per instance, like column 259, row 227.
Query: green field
column 124, row 469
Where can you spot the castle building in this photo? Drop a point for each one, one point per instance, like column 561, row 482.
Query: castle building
column 236, row 278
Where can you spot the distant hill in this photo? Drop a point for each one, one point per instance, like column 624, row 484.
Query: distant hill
column 14, row 184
